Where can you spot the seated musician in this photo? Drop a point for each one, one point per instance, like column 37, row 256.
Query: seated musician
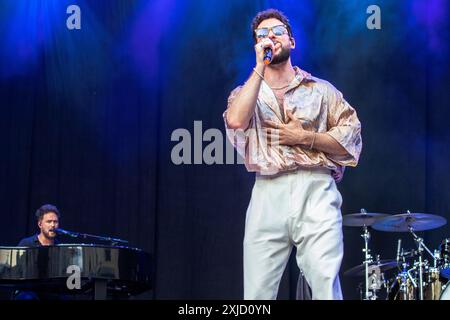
column 47, row 220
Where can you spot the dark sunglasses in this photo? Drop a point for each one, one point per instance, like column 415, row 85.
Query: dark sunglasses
column 264, row 32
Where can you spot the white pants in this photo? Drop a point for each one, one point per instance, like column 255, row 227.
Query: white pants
column 300, row 208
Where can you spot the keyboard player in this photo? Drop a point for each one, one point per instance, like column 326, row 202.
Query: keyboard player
column 47, row 220
column 47, row 217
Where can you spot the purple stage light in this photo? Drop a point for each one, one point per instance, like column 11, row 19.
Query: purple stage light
column 150, row 25
column 431, row 14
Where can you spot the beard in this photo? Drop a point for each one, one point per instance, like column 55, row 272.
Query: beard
column 49, row 235
column 282, row 56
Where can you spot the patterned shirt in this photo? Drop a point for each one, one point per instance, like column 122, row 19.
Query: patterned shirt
column 319, row 106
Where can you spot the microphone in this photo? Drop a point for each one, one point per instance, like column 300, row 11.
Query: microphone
column 399, row 245
column 267, row 55
column 65, row 232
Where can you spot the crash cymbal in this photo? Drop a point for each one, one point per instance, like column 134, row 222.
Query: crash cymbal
column 403, row 222
column 360, row 270
column 361, row 219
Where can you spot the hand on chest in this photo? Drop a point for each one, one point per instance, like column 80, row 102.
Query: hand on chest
column 303, row 105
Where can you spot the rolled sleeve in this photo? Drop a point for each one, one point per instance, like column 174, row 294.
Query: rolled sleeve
column 345, row 127
column 231, row 98
column 239, row 137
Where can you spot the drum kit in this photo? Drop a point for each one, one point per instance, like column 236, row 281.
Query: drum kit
column 415, row 277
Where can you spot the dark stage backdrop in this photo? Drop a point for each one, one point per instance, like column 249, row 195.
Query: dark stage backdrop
column 87, row 117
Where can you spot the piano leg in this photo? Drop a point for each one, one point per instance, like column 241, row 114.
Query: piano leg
column 100, row 289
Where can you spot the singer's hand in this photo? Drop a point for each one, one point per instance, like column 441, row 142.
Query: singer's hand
column 338, row 175
column 289, row 134
column 259, row 49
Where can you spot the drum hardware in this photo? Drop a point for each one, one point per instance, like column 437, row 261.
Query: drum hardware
column 365, row 219
column 409, row 254
column 433, row 285
column 405, row 288
column 376, row 279
column 375, row 282
column 444, row 255
column 445, row 295
column 367, row 259
column 421, row 279
column 405, row 277
column 360, row 270
column 410, row 222
column 421, row 247
column 405, row 284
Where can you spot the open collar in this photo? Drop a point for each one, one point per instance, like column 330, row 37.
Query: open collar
column 268, row 96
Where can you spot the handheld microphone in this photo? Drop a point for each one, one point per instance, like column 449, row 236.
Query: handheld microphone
column 267, row 55
column 399, row 245
column 65, row 232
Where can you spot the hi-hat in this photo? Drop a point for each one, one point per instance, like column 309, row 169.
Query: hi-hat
column 360, row 270
column 361, row 219
column 409, row 222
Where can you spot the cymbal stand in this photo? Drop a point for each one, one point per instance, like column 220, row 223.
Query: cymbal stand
column 421, row 247
column 408, row 272
column 436, row 258
column 404, row 273
column 402, row 277
column 367, row 260
column 376, row 280
column 374, row 285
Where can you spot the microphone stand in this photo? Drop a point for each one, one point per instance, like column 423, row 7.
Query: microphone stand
column 113, row 241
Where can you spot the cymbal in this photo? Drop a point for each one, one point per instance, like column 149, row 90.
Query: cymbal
column 361, row 219
column 403, row 222
column 360, row 270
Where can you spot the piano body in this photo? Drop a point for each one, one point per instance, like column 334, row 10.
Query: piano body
column 101, row 269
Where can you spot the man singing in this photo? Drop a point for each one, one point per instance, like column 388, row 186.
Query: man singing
column 47, row 217
column 297, row 133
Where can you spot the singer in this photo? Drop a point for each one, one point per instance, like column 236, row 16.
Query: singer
column 47, row 217
column 299, row 134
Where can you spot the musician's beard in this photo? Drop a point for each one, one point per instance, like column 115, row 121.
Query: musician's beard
column 283, row 56
column 49, row 235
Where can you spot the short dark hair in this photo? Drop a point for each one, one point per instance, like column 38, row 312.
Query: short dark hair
column 46, row 208
column 267, row 14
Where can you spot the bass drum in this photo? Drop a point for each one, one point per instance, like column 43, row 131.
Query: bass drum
column 445, row 293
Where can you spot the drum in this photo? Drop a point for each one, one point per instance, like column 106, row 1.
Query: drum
column 445, row 293
column 432, row 284
column 402, row 292
column 444, row 250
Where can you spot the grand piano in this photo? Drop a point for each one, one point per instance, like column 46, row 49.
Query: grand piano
column 102, row 270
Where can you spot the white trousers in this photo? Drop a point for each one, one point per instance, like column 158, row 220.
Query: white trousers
column 302, row 209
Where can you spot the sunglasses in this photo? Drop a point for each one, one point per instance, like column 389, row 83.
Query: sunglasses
column 264, row 32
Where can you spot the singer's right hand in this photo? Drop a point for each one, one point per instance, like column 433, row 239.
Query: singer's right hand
column 259, row 50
